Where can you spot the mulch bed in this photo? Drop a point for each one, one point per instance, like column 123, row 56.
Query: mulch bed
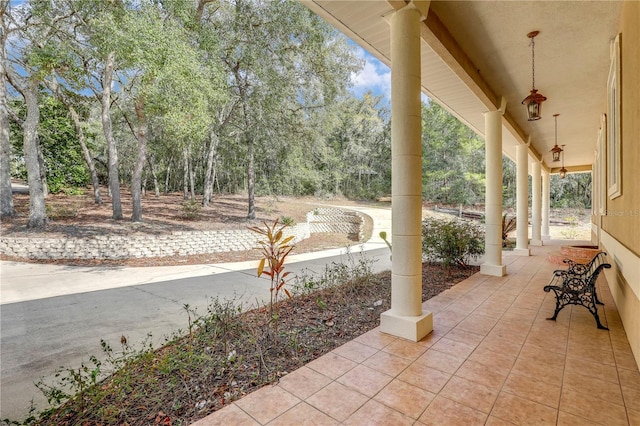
column 228, row 355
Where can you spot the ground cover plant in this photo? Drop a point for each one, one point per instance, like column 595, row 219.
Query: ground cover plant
column 228, row 352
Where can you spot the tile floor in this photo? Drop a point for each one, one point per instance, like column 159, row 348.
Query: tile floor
column 491, row 359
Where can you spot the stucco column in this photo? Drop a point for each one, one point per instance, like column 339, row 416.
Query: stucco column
column 536, row 204
column 546, row 199
column 493, row 195
column 522, row 201
column 406, row 318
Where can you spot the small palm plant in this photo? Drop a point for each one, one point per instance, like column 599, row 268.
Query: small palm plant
column 275, row 249
column 508, row 225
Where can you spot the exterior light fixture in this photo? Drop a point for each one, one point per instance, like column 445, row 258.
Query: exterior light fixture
column 563, row 171
column 556, row 150
column 533, row 102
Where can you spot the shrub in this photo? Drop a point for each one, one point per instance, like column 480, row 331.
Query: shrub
column 452, row 242
column 287, row 220
column 191, row 209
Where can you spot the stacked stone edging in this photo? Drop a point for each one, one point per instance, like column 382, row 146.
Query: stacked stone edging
column 179, row 243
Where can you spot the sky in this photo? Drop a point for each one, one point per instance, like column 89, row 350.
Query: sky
column 374, row 77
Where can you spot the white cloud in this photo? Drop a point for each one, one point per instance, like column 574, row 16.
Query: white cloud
column 374, row 77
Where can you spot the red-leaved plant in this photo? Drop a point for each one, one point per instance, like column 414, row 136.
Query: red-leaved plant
column 275, row 250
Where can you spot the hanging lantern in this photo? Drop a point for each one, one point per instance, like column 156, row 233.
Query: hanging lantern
column 533, row 102
column 556, row 150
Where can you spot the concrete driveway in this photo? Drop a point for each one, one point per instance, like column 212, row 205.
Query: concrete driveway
column 53, row 316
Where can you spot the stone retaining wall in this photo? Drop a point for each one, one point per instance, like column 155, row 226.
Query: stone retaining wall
column 173, row 244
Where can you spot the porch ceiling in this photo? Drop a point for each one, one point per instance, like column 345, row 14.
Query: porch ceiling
column 474, row 52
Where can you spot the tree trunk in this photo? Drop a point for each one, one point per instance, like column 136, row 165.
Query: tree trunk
column 114, row 179
column 156, row 185
column 166, row 178
column 185, row 176
column 6, row 197
column 210, row 173
column 43, row 169
column 37, row 210
column 251, row 181
column 85, row 153
column 192, row 182
column 136, row 178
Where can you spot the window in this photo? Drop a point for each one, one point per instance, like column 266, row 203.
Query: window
column 614, row 180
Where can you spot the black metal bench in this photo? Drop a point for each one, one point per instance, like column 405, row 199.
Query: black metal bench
column 585, row 268
column 577, row 286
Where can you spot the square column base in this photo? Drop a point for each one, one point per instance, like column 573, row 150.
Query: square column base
column 493, row 270
column 537, row 243
column 522, row 252
column 410, row 328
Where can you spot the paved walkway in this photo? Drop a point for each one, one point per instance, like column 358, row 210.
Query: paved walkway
column 492, row 359
column 54, row 316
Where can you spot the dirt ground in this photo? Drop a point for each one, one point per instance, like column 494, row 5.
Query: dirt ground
column 79, row 216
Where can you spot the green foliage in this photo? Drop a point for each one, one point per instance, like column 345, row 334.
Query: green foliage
column 275, row 249
column 191, row 209
column 65, row 168
column 452, row 160
column 452, row 242
column 287, row 220
column 354, row 270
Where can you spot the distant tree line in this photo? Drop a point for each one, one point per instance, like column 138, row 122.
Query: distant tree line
column 202, row 97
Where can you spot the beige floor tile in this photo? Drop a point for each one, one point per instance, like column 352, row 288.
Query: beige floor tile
column 626, row 360
column 592, row 407
column 424, row 377
column 634, row 417
column 405, row 398
column 533, row 390
column 365, row 380
column 301, row 415
column 376, row 339
column 534, row 369
column 355, row 351
column 267, row 403
column 602, row 357
column 479, row 373
column 443, row 411
column 453, row 347
column 387, row 363
column 497, row 361
column 374, row 413
column 501, row 343
column 478, row 324
column 337, row 401
column 604, row 372
column 303, row 382
column 542, row 356
column 631, row 398
column 522, row 411
column 471, row 339
column 332, row 365
column 440, row 361
column 548, row 342
column 628, row 378
column 567, row 419
column 229, row 415
column 495, row 421
column 405, row 349
column 587, row 384
column 470, row 393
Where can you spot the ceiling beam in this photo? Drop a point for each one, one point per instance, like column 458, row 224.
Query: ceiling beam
column 572, row 169
column 437, row 36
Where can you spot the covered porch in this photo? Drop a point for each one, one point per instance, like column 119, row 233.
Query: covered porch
column 492, row 358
